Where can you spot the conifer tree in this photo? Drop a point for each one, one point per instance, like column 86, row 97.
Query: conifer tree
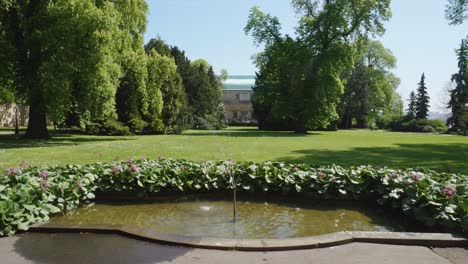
column 459, row 95
column 412, row 105
column 422, row 100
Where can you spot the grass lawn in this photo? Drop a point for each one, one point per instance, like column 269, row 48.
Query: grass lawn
column 352, row 147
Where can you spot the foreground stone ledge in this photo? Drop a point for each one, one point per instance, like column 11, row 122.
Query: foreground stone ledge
column 322, row 241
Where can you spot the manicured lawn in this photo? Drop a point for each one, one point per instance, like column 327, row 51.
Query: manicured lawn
column 353, row 147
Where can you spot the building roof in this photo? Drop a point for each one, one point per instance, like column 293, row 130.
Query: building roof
column 239, row 82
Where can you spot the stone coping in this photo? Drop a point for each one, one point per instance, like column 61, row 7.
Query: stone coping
column 322, row 241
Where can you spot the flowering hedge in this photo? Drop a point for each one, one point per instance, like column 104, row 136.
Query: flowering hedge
column 30, row 195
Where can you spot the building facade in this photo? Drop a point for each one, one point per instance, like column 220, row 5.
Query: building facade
column 237, row 94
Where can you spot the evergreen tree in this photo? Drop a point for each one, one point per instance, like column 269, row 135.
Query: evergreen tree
column 412, row 105
column 457, row 11
column 422, row 100
column 459, row 95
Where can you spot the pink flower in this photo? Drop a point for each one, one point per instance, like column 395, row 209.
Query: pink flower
column 416, row 176
column 134, row 168
column 449, row 191
column 12, row 172
column 321, row 175
column 130, row 160
column 44, row 184
column 44, row 174
column 333, row 179
column 117, row 170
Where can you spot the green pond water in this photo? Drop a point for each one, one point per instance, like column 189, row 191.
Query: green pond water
column 214, row 218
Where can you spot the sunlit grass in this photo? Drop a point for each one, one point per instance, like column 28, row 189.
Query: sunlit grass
column 351, row 147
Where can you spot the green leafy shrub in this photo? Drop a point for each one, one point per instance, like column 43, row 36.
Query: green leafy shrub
column 155, row 127
column 428, row 129
column 108, row 127
column 408, row 124
column 137, row 124
column 30, row 195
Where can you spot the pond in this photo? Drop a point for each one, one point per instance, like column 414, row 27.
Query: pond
column 255, row 218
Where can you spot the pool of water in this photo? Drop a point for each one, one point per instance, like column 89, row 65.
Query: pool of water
column 214, row 218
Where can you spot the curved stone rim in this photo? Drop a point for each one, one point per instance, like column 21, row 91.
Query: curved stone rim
column 321, row 241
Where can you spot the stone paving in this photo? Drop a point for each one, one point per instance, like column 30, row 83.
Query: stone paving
column 89, row 248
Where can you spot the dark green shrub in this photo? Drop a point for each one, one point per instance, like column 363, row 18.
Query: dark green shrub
column 155, row 127
column 428, row 129
column 93, row 128
column 409, row 124
column 137, row 125
column 439, row 125
column 108, row 127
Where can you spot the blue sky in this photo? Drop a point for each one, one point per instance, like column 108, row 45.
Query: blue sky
column 417, row 34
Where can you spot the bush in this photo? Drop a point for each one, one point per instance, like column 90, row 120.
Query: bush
column 208, row 122
column 155, row 127
column 409, row 124
column 30, row 195
column 107, row 127
column 428, row 129
column 137, row 125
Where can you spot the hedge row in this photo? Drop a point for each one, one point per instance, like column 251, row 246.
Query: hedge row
column 30, row 195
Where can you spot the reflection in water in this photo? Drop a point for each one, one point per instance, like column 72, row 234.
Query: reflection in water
column 213, row 218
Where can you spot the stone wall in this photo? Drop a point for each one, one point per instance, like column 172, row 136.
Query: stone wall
column 7, row 115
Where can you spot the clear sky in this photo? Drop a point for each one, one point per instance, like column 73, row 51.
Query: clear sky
column 417, row 34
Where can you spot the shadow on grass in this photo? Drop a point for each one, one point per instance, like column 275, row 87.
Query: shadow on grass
column 248, row 132
column 13, row 141
column 441, row 157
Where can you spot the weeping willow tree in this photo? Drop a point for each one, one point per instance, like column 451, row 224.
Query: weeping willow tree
column 67, row 56
column 325, row 46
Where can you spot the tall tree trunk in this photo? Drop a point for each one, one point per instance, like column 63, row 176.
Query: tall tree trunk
column 37, row 124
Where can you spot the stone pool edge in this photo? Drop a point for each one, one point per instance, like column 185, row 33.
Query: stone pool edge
column 321, row 241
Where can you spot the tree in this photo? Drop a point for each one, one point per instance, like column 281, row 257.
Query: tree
column 371, row 88
column 459, row 95
column 65, row 55
column 159, row 45
column 457, row 11
column 167, row 93
column 412, row 105
column 327, row 33
column 422, row 100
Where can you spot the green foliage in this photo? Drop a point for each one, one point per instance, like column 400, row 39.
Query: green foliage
column 166, row 91
column 370, row 92
column 409, row 124
column 68, row 55
column 457, row 11
column 30, row 195
column 422, row 100
column 204, row 94
column 459, row 95
column 412, row 105
column 309, row 69
column 109, row 127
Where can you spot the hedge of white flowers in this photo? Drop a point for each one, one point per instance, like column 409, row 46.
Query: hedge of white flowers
column 30, row 195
